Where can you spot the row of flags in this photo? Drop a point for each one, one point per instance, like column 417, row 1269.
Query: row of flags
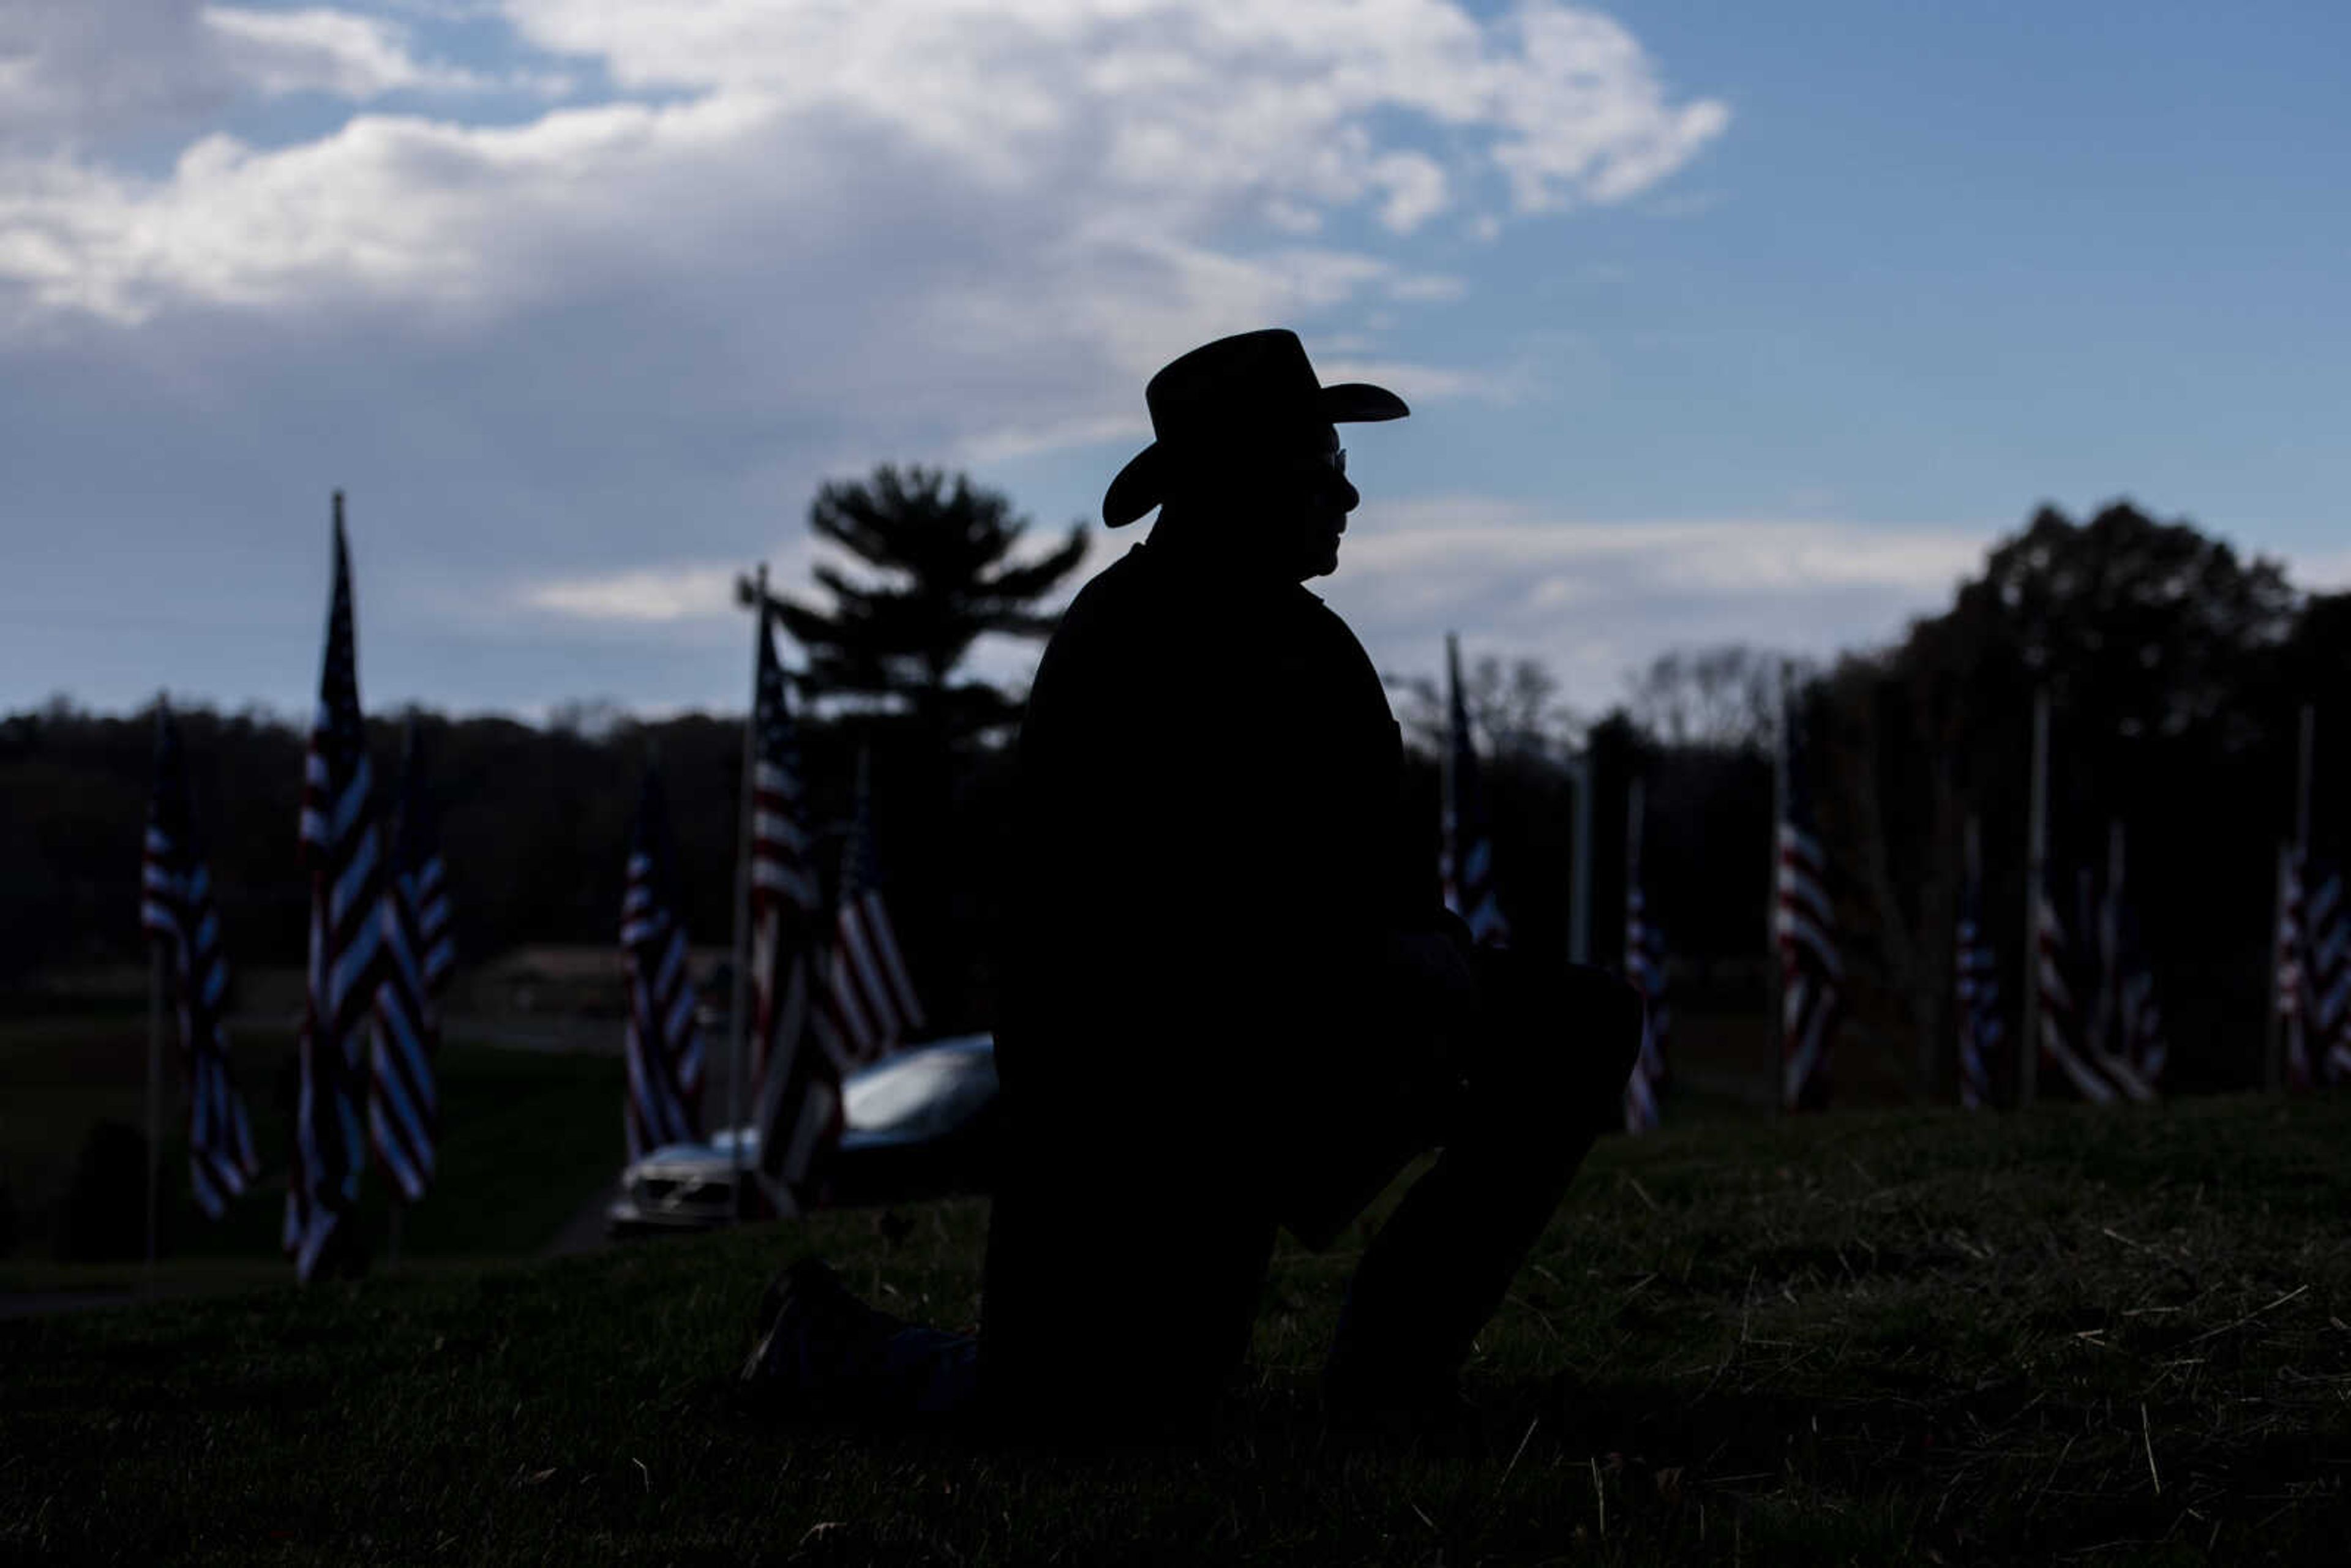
column 2099, row 1025
column 1465, row 866
column 380, row 952
column 823, row 1002
column 2099, row 1020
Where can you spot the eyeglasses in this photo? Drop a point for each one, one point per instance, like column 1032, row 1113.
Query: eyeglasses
column 1334, row 460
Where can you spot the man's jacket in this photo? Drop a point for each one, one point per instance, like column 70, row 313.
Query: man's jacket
column 1211, row 861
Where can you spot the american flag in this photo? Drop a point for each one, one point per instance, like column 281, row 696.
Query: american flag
column 1805, row 928
column 662, row 1051
column 2314, row 972
column 2128, row 1030
column 784, row 896
column 867, row 1004
column 1981, row 1034
column 797, row 1109
column 1645, row 965
column 1465, row 849
column 2289, row 983
column 2328, row 967
column 176, row 908
column 404, row 1100
column 2097, row 1074
column 341, row 847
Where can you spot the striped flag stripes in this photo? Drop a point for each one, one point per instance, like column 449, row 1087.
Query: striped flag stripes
column 867, row 1004
column 1981, row 1033
column 1466, row 848
column 176, row 908
column 663, row 1050
column 1645, row 965
column 2097, row 1074
column 2128, row 1033
column 1804, row 926
column 796, row 1108
column 342, row 848
column 784, row 895
column 2328, row 967
column 404, row 1099
column 2290, row 982
column 2313, row 973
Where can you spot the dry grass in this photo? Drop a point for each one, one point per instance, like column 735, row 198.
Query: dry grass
column 2073, row 1335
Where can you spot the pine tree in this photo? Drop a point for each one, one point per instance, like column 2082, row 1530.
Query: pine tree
column 942, row 549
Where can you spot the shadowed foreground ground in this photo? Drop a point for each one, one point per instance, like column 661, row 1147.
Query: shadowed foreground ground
column 2110, row 1336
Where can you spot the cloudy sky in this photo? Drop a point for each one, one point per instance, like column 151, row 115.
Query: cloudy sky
column 1719, row 322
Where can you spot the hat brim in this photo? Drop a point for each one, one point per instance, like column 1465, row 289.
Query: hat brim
column 1143, row 483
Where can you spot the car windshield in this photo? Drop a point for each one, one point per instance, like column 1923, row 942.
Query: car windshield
column 927, row 1091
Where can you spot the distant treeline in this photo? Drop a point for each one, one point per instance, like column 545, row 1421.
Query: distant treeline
column 2177, row 671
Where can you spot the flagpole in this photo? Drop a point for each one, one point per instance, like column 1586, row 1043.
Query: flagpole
column 159, row 977
column 2036, row 871
column 1633, row 805
column 1771, row 900
column 1971, row 874
column 1447, row 806
column 2273, row 1046
column 2302, row 776
column 2107, row 1030
column 1579, row 882
column 738, row 1023
column 2273, row 1029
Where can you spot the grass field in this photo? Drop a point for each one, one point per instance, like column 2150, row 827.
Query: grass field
column 2102, row 1336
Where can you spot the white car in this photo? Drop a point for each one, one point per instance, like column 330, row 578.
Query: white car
column 919, row 1123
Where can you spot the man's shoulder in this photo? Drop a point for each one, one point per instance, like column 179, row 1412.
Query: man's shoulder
column 1110, row 593
column 1149, row 606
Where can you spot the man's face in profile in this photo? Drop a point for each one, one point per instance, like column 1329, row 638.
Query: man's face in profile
column 1313, row 500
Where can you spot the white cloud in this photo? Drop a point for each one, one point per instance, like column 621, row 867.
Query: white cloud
column 320, row 50
column 70, row 67
column 75, row 73
column 603, row 345
column 1595, row 598
column 655, row 594
column 1129, row 136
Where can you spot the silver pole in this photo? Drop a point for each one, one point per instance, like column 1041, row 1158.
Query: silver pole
column 1633, row 805
column 1971, row 870
column 159, row 977
column 2302, row 776
column 739, row 1006
column 1579, row 886
column 2273, row 1040
column 1448, row 819
column 1772, row 1001
column 2274, row 1027
column 2036, row 871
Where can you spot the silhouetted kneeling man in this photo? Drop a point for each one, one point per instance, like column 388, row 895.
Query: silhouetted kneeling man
column 1232, row 1002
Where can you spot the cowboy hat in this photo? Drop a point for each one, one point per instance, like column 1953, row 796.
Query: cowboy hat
column 1255, row 389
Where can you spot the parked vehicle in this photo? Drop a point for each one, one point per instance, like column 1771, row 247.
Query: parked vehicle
column 920, row 1124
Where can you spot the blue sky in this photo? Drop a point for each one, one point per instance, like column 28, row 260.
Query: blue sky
column 1719, row 322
